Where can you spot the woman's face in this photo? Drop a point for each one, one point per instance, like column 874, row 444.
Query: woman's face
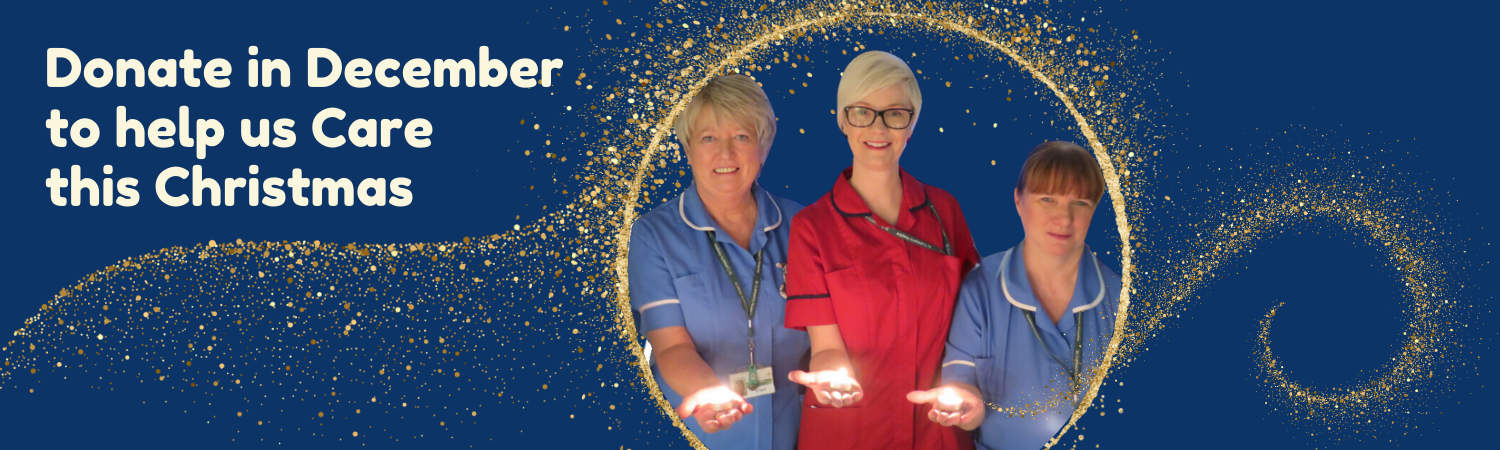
column 878, row 147
column 725, row 156
column 1055, row 223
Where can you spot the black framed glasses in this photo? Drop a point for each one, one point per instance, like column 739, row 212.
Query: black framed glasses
column 894, row 118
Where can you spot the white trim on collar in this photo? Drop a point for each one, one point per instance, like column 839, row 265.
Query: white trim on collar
column 1004, row 264
column 1099, row 298
column 682, row 211
column 1005, row 288
column 778, row 210
column 681, row 200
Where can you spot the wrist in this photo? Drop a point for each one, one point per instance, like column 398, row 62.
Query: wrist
column 705, row 383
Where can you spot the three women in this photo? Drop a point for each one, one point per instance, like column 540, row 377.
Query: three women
column 873, row 271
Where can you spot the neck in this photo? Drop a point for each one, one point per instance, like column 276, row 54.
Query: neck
column 1052, row 278
column 735, row 214
column 880, row 189
column 1050, row 268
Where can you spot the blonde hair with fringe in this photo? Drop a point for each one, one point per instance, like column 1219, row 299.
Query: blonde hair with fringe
column 734, row 97
column 875, row 70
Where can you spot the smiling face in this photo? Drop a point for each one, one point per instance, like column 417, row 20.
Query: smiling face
column 1055, row 224
column 878, row 147
column 725, row 156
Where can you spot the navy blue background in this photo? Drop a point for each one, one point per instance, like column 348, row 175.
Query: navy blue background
column 1403, row 82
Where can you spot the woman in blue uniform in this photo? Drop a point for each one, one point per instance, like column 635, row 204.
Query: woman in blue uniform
column 706, row 274
column 1032, row 322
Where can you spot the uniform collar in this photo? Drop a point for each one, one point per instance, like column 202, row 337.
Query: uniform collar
column 849, row 204
column 695, row 215
column 1088, row 293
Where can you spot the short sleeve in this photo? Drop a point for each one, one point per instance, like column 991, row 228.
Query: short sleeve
column 652, row 293
column 968, row 333
column 807, row 301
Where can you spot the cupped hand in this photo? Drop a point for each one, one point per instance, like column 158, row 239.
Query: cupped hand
column 951, row 406
column 715, row 408
column 830, row 387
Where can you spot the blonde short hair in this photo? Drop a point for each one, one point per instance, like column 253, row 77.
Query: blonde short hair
column 1059, row 168
column 875, row 70
column 735, row 97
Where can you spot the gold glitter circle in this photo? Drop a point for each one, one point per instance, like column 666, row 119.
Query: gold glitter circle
column 875, row 15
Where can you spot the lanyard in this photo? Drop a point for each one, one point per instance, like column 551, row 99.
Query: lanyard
column 947, row 248
column 1073, row 372
column 748, row 304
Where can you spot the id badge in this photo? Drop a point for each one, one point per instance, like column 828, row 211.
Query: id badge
column 740, row 382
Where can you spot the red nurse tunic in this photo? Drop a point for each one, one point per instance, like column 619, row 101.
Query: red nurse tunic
column 892, row 300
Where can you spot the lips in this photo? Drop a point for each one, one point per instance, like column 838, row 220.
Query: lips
column 1060, row 237
column 877, row 145
column 726, row 170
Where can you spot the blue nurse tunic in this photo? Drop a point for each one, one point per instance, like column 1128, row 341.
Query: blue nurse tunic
column 677, row 280
column 992, row 345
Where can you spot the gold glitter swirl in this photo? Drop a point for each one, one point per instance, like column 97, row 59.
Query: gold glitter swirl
column 1430, row 308
column 1350, row 196
column 1019, row 39
column 327, row 296
column 345, row 330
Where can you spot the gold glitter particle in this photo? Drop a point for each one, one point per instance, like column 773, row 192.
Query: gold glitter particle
column 1012, row 41
column 1326, row 193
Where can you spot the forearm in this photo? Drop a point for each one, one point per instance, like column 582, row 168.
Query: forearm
column 828, row 351
column 965, row 386
column 684, row 371
column 830, row 359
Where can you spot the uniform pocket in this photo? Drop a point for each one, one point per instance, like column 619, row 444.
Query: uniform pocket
column 989, row 373
column 852, row 292
column 954, row 265
column 824, row 426
column 699, row 312
column 816, row 405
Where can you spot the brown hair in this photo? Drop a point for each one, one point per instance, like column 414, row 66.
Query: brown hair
column 1061, row 167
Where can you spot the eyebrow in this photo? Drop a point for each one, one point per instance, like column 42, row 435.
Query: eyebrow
column 866, row 104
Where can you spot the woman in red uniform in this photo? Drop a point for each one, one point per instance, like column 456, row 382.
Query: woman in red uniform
column 873, row 268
